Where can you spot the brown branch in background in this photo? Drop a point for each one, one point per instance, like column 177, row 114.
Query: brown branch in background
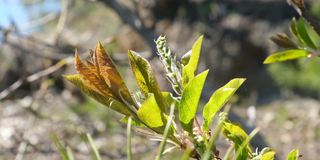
column 37, row 47
column 130, row 18
column 62, row 20
column 35, row 76
column 299, row 6
column 41, row 21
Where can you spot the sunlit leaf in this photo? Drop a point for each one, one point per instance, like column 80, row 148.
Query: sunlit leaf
column 237, row 135
column 107, row 101
column 150, row 113
column 191, row 67
column 218, row 99
column 293, row 155
column 186, row 58
column 268, row 154
column 286, row 55
column 145, row 78
column 190, row 99
column 107, row 70
column 88, row 75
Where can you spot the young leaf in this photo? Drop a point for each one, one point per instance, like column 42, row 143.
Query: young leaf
column 190, row 99
column 293, row 28
column 282, row 40
column 268, row 154
column 238, row 136
column 190, row 69
column 302, row 31
column 286, row 55
column 107, row 101
column 107, row 70
column 218, row 99
column 293, row 155
column 314, row 36
column 99, row 73
column 245, row 144
column 151, row 114
column 88, row 75
column 145, row 78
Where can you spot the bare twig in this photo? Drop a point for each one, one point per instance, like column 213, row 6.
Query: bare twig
column 35, row 76
column 62, row 20
column 40, row 21
column 129, row 17
column 37, row 47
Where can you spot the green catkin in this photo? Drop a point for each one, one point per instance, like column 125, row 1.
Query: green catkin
column 168, row 59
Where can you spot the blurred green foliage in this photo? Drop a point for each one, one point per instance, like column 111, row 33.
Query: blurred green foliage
column 301, row 75
column 315, row 9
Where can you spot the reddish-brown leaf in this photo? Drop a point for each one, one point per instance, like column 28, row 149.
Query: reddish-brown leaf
column 107, row 70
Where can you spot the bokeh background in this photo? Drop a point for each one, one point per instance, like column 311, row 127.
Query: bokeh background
column 35, row 35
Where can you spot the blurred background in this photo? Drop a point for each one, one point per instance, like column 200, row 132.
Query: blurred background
column 37, row 43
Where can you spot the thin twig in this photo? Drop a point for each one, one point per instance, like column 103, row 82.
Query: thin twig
column 62, row 20
column 129, row 152
column 35, row 76
column 165, row 134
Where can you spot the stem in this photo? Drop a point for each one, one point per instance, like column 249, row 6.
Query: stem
column 213, row 140
column 165, row 134
column 198, row 125
column 229, row 152
column 129, row 152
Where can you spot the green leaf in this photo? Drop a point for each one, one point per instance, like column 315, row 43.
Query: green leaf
column 218, row 99
column 145, row 78
column 169, row 98
column 107, row 101
column 293, row 28
column 302, row 31
column 293, row 155
column 246, row 144
column 286, row 55
column 314, row 36
column 238, row 136
column 151, row 114
column 190, row 69
column 190, row 99
column 268, row 154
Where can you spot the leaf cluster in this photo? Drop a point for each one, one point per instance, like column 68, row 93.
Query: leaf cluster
column 305, row 41
column 172, row 116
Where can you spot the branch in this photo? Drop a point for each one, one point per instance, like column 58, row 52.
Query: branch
column 132, row 19
column 62, row 20
column 35, row 76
